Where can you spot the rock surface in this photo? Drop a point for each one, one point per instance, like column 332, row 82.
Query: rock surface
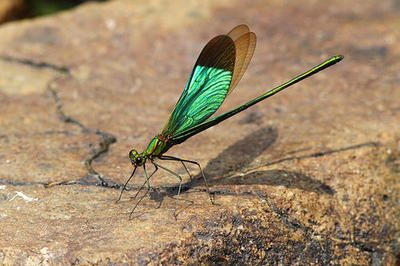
column 308, row 176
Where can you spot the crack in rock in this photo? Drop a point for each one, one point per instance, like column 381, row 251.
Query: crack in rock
column 61, row 115
column 107, row 140
column 32, row 63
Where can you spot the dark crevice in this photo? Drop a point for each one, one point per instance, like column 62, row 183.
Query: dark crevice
column 18, row 183
column 108, row 139
column 97, row 180
column 104, row 145
column 87, row 180
column 32, row 63
column 61, row 115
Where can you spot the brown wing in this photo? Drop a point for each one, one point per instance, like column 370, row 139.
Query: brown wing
column 245, row 43
column 238, row 31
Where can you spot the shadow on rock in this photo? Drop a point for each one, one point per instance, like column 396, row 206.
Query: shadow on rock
column 288, row 179
column 240, row 154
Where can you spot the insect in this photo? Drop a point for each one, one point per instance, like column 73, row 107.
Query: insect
column 216, row 73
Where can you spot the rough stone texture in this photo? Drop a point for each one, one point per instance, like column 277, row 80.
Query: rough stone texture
column 308, row 176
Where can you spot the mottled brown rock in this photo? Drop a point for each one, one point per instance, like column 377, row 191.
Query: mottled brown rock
column 310, row 176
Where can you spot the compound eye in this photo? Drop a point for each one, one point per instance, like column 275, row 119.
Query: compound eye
column 132, row 153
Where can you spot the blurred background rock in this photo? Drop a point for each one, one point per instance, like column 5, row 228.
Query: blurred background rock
column 18, row 9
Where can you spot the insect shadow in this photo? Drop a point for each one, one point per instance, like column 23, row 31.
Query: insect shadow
column 235, row 158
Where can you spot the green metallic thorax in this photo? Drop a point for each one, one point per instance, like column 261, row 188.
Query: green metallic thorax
column 157, row 147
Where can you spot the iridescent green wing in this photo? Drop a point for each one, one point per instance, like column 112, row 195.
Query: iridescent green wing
column 216, row 120
column 206, row 89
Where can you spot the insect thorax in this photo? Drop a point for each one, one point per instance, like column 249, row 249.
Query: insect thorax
column 157, row 147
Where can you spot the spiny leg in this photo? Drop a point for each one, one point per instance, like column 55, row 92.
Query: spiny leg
column 184, row 166
column 180, row 183
column 129, row 179
column 146, row 181
column 148, row 188
column 171, row 158
column 187, row 171
column 126, row 183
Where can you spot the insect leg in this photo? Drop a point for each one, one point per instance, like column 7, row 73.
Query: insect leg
column 180, row 183
column 148, row 188
column 146, row 181
column 166, row 158
column 171, row 158
column 126, row 183
column 187, row 171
